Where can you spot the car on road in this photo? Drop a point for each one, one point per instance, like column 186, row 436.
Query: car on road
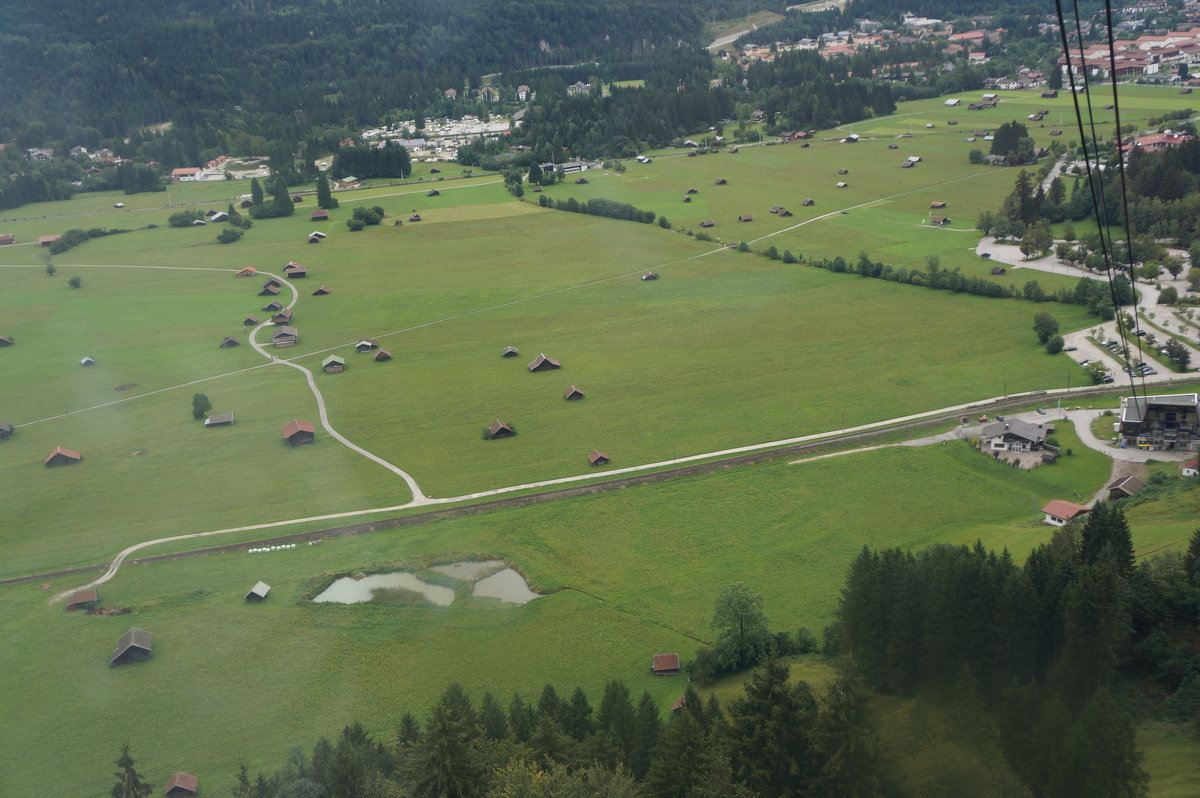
column 1139, row 332
column 1085, row 362
column 1041, row 412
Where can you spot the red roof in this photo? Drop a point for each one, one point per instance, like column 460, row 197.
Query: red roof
column 1064, row 510
column 296, row 425
column 679, row 704
column 246, row 272
column 185, row 170
column 181, row 781
column 1192, row 463
column 82, row 597
column 665, row 662
column 65, row 452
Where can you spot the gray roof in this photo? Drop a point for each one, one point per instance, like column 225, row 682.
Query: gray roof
column 218, row 419
column 1133, row 410
column 134, row 638
column 1016, row 427
column 259, row 589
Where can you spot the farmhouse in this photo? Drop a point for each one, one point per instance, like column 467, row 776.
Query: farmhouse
column 259, row 592
column 294, row 269
column 572, row 393
column 6, row 430
column 220, row 420
column 498, row 429
column 1165, row 422
column 230, row 342
column 1125, row 487
column 284, row 336
column 82, row 598
column 1013, row 435
column 543, row 363
column 509, row 351
column 299, row 433
column 382, row 355
column 282, row 317
column 665, row 664
column 61, row 456
column 597, row 458
column 1191, row 468
column 1060, row 513
column 87, row 361
column 333, row 364
column 318, row 216
column 180, row 785
column 273, row 307
column 249, row 271
column 134, row 646
column 365, row 345
column 322, row 291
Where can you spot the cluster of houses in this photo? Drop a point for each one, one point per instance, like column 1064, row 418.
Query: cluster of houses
column 1143, row 56
column 440, row 139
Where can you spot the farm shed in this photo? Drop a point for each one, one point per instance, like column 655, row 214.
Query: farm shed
column 998, row 270
column 776, row 208
column 581, row 181
column 87, row 361
column 784, row 212
column 318, row 216
column 220, row 420
column 893, row 146
column 250, row 321
column 365, row 345
column 543, row 363
column 722, row 181
column 273, row 307
column 259, row 592
column 434, row 193
column 1059, row 512
column 80, row 598
column 313, row 238
column 679, row 704
column 1191, row 468
column 180, row 785
column 937, row 204
column 299, row 433
column 46, row 241
column 61, row 456
column 509, row 351
column 7, row 238
column 1125, row 487
column 842, row 185
column 572, row 393
column 692, row 191
column 322, row 291
column 745, row 217
column 198, row 222
column 940, row 221
column 382, row 355
column 284, row 336
column 6, row 340
column 597, row 458
column 907, row 164
column 665, row 664
column 708, row 223
column 134, row 646
column 843, row 171
column 220, row 216
column 295, row 270
column 416, row 217
column 229, row 342
column 269, row 290
column 6, row 430
column 249, row 271
column 498, row 429
column 807, row 201
column 245, row 204
column 282, row 317
column 333, row 364
column 297, row 198
column 273, row 282
column 687, row 198
column 316, row 234
column 649, row 276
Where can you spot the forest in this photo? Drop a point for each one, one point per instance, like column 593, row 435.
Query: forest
column 1034, row 671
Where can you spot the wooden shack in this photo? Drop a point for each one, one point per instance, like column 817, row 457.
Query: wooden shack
column 259, row 592
column 543, row 363
column 61, row 456
column 299, row 433
column 498, row 429
column 134, row 646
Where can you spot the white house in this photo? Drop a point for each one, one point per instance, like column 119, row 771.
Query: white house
column 1060, row 513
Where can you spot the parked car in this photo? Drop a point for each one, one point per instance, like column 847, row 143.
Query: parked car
column 1107, row 378
column 1085, row 362
column 1139, row 332
column 1070, row 348
column 1041, row 412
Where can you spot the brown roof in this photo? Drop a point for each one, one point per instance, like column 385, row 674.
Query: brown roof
column 295, row 426
column 707, row 223
column 246, row 272
column 317, row 216
column 745, row 217
column 181, row 783
column 270, row 289
column 250, row 320
column 679, row 704
column 82, row 597
column 230, row 341
column 572, row 392
column 383, row 355
column 7, row 238
column 665, row 662
column 542, row 361
column 293, row 266
column 134, row 638
column 67, row 453
column 273, row 306
column 1128, row 485
column 283, row 331
column 498, row 428
column 6, row 340
column 322, row 291
column 596, row 456
column 1065, row 510
column 46, row 241
column 416, row 217
column 937, row 204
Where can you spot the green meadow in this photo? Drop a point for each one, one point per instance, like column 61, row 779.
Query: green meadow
column 725, row 349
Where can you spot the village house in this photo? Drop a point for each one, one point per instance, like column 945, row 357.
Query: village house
column 1061, row 513
column 1161, row 423
column 1013, row 435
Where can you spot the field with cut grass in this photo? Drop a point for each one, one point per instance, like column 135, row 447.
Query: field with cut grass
column 631, row 573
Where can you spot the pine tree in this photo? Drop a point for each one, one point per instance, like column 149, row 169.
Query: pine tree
column 491, row 715
column 616, row 717
column 282, row 202
column 200, row 406
column 130, row 783
column 577, row 716
column 521, row 719
column 256, row 192
column 646, row 729
column 325, row 198
column 846, row 737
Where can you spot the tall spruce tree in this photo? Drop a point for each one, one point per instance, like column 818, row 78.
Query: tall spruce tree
column 325, row 198
column 256, row 191
column 130, row 783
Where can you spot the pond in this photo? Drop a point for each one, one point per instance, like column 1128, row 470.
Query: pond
column 507, row 585
column 356, row 591
column 466, row 571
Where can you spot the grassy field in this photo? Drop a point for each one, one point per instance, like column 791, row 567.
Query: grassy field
column 631, row 573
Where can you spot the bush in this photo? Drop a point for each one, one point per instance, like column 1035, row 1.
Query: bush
column 75, row 282
column 228, row 235
column 355, row 224
column 1055, row 345
column 367, row 215
column 184, row 218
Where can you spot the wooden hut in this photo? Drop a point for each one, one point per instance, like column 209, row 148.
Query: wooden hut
column 134, row 646
column 273, row 307
column 282, row 317
column 665, row 664
column 333, row 364
column 313, row 238
column 597, row 458
column 46, row 241
column 297, row 198
column 997, row 270
column 365, row 345
column 87, row 361
column 807, row 201
column 498, row 429
column 295, row 270
column 318, row 216
column 572, row 393
column 784, row 212
column 81, row 599
column 284, row 336
column 841, row 184
column 708, row 223
column 416, row 217
column 940, row 221
column 722, row 181
column 843, row 171
column 687, row 198
column 322, row 291
column 543, row 363
column 249, row 271
column 692, row 191
column 220, row 420
column 229, row 342
column 434, row 193
column 269, row 290
column 382, row 355
column 649, row 276
column 937, row 204
column 1125, row 487
column 745, row 217
column 249, row 321
column 61, row 456
column 299, row 433
column 581, row 181
column 893, row 146
column 6, row 430
column 259, row 592
column 509, row 351
column 180, row 785
column 6, row 340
